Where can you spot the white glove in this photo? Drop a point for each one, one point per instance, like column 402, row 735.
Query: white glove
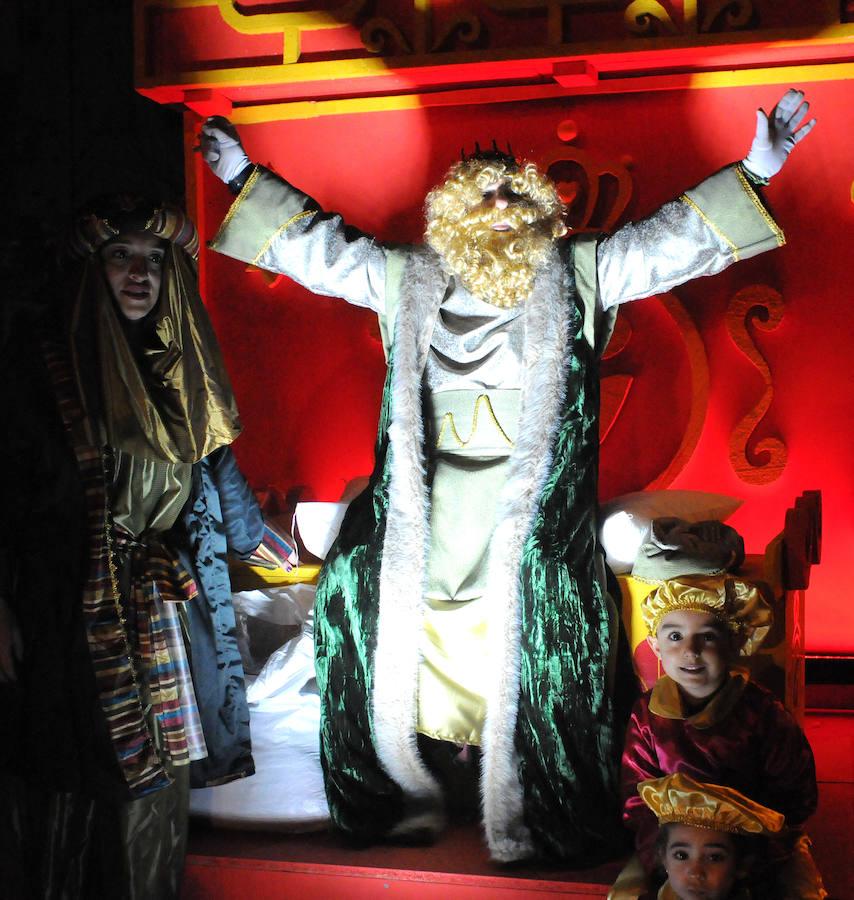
column 221, row 148
column 777, row 134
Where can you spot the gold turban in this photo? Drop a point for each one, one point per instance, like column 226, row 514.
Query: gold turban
column 737, row 604
column 678, row 798
column 168, row 397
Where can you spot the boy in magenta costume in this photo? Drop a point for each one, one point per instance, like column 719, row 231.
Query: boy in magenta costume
column 706, row 720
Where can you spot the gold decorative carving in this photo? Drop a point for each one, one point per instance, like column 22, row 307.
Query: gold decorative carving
column 380, row 35
column 727, row 15
column 648, row 17
column 465, row 27
column 288, row 23
column 696, row 352
column 616, row 386
column 595, row 189
column 756, row 461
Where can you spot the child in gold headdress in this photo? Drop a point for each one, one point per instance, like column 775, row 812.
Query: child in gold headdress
column 708, row 838
column 706, row 720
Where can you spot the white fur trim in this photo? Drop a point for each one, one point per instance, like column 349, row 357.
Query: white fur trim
column 404, row 566
column 403, row 569
column 543, row 393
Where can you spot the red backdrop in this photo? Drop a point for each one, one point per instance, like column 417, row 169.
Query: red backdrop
column 308, row 370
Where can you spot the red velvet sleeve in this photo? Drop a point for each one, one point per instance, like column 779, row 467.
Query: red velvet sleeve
column 640, row 762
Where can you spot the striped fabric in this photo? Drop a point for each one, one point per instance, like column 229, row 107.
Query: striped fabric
column 115, row 676
column 158, row 581
column 173, row 632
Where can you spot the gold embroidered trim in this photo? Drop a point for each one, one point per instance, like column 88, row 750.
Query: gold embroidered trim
column 279, row 230
column 448, row 420
column 238, row 200
column 689, row 202
column 748, row 187
column 694, row 819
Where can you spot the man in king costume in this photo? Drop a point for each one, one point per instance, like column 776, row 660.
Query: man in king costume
column 463, row 604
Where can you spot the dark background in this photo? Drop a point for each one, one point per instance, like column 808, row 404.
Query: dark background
column 77, row 126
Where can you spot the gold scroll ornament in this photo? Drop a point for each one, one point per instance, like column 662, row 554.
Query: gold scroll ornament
column 649, row 17
column 755, row 460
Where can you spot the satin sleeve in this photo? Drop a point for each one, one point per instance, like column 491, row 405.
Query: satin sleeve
column 640, row 761
column 273, row 225
column 241, row 515
column 709, row 227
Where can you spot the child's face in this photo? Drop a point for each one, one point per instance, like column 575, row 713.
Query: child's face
column 695, row 650
column 701, row 864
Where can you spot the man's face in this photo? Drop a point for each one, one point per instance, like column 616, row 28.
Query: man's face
column 133, row 265
column 499, row 196
column 701, row 864
column 695, row 650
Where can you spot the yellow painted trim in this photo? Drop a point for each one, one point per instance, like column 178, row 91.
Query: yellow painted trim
column 732, row 246
column 400, row 68
column 310, row 109
column 774, row 75
column 280, row 230
column 266, row 23
column 238, row 200
column 748, row 188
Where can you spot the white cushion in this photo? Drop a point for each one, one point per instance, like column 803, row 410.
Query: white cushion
column 624, row 521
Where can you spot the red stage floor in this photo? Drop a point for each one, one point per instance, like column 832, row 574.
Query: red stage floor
column 231, row 864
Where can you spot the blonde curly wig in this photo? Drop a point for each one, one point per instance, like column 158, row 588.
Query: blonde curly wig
column 497, row 266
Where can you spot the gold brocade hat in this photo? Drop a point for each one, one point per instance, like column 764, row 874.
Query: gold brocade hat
column 678, row 798
column 738, row 604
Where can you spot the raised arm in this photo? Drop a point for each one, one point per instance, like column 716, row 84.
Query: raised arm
column 709, row 227
column 273, row 225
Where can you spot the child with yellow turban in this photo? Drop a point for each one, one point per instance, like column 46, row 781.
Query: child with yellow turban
column 710, row 837
column 705, row 719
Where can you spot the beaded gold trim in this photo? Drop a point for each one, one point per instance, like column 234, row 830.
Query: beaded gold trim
column 682, row 819
column 694, row 606
column 448, row 421
column 769, row 221
column 279, row 230
column 238, row 200
column 732, row 246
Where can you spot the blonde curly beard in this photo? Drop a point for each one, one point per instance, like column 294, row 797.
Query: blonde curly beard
column 496, row 266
